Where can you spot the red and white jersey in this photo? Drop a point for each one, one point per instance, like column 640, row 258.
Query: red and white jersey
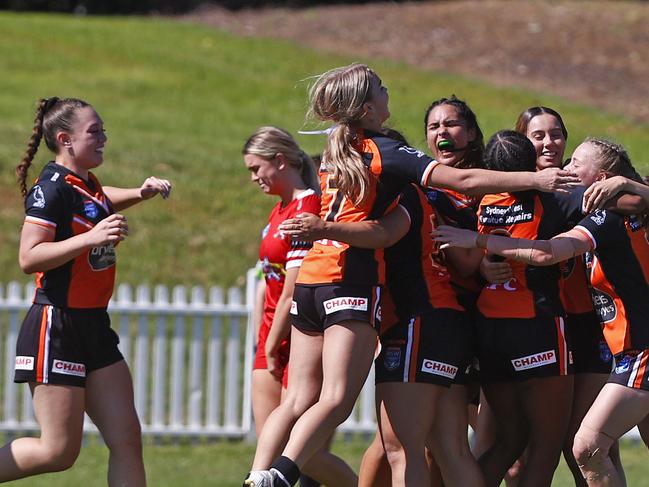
column 278, row 252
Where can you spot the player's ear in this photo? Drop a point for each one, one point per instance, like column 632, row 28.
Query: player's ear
column 63, row 139
column 281, row 160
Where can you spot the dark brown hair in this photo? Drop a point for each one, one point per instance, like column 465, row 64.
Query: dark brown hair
column 475, row 148
column 53, row 115
column 524, row 119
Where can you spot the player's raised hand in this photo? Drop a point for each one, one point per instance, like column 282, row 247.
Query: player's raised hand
column 112, row 229
column 153, row 186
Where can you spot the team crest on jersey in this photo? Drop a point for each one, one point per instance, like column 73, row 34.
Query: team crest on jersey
column 392, row 358
column 39, row 197
column 599, row 217
column 605, row 354
column 90, row 209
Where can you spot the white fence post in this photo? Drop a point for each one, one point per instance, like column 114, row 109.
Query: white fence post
column 192, row 372
column 158, row 407
column 232, row 365
column 214, row 360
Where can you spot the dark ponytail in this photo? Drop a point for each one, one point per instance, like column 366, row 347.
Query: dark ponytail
column 34, row 142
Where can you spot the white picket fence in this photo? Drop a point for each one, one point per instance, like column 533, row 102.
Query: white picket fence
column 190, row 354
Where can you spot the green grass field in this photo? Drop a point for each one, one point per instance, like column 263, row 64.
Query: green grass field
column 178, row 101
column 223, row 464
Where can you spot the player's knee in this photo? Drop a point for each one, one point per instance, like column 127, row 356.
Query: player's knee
column 590, row 450
column 394, row 451
column 126, row 439
column 296, row 405
column 60, row 456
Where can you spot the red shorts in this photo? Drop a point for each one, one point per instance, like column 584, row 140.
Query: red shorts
column 631, row 370
column 282, row 353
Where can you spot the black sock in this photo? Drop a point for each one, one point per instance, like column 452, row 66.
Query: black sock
column 308, row 482
column 289, row 470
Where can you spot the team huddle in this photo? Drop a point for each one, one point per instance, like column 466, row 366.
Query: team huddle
column 491, row 284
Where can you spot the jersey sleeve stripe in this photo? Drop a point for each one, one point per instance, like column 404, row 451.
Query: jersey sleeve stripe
column 296, row 254
column 40, row 221
column 584, row 231
column 427, row 171
column 292, row 264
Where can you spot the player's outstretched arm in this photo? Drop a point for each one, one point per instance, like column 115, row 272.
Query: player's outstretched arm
column 369, row 234
column 123, row 198
column 535, row 252
column 482, row 181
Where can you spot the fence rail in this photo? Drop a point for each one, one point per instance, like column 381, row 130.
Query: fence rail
column 190, row 352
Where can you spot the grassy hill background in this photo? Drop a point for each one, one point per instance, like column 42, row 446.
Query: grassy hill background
column 178, row 100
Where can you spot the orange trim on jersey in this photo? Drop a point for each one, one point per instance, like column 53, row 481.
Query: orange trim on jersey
column 40, row 222
column 431, row 167
column 41, row 345
column 416, row 332
column 561, row 346
column 437, row 276
column 640, row 372
column 587, row 234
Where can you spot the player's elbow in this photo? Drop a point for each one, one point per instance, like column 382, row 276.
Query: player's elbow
column 26, row 265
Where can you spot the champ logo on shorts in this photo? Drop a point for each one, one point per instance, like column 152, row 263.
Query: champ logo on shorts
column 68, row 368
column 293, row 308
column 439, row 368
column 24, row 363
column 342, row 303
column 536, row 360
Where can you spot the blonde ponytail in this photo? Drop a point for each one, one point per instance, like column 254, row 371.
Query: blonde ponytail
column 339, row 95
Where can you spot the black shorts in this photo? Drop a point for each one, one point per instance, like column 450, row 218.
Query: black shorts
column 517, row 349
column 590, row 351
column 631, row 370
column 315, row 308
column 62, row 346
column 431, row 348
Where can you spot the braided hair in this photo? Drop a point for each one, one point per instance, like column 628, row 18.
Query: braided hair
column 509, row 151
column 53, row 115
column 614, row 159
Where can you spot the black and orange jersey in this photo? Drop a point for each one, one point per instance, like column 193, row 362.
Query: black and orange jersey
column 416, row 278
column 278, row 252
column 457, row 209
column 573, row 285
column 460, row 211
column 532, row 291
column 392, row 165
column 69, row 205
column 618, row 270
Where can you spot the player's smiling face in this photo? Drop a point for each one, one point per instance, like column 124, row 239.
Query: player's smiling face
column 264, row 172
column 85, row 143
column 585, row 163
column 546, row 135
